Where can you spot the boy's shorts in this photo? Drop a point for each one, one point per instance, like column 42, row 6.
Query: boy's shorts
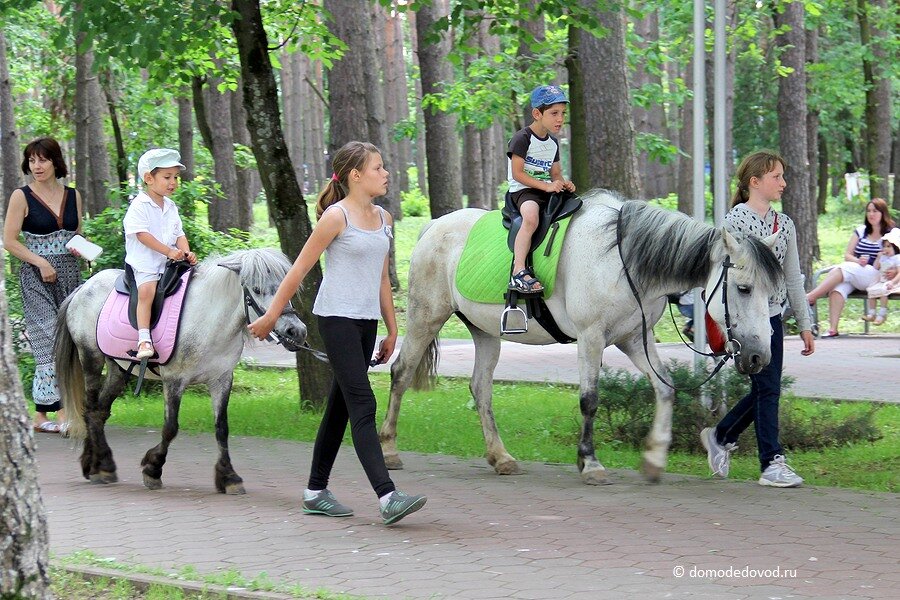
column 542, row 198
column 142, row 277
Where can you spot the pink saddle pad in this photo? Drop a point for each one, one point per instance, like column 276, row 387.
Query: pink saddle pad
column 116, row 337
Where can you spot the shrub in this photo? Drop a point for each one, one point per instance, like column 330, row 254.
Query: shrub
column 414, row 203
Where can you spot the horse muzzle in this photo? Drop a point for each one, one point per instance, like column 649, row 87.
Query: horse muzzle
column 292, row 334
column 751, row 361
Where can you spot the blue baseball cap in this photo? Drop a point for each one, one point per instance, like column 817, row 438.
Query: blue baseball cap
column 547, row 95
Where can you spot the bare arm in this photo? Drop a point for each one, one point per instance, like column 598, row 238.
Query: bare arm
column 556, row 175
column 329, row 226
column 386, row 299
column 147, row 239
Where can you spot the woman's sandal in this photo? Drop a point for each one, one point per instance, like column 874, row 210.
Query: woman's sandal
column 47, row 427
column 831, row 334
column 145, row 350
column 525, row 286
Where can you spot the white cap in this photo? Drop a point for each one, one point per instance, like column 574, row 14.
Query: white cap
column 893, row 236
column 158, row 158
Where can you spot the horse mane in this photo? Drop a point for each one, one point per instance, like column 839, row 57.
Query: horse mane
column 256, row 268
column 662, row 247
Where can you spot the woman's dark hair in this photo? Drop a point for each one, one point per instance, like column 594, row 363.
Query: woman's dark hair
column 754, row 165
column 352, row 155
column 47, row 148
column 887, row 223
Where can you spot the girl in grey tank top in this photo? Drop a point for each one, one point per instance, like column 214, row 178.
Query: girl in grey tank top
column 355, row 292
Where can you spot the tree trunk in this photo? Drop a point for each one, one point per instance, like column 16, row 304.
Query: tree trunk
column 292, row 116
column 792, row 133
column 24, row 553
column 442, row 143
column 812, row 124
column 346, row 79
column 10, row 154
column 420, row 150
column 93, row 172
column 493, row 146
column 396, row 100
column 878, row 98
column 896, row 170
column 314, row 129
column 247, row 179
column 109, row 92
column 224, row 211
column 534, row 32
column 822, row 196
column 607, row 115
column 185, row 136
column 686, row 144
column 200, row 112
column 282, row 190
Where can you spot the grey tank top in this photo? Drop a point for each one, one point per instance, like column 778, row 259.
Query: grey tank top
column 354, row 262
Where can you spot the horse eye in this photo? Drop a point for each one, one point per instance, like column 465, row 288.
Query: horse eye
column 256, row 290
column 744, row 289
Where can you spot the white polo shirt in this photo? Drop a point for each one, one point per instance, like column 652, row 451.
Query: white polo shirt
column 145, row 215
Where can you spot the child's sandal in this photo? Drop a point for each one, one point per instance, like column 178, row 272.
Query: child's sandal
column 525, row 286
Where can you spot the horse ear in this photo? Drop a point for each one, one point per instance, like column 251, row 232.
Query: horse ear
column 230, row 266
column 770, row 241
column 731, row 243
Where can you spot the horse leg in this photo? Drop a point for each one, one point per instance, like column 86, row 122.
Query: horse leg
column 226, row 480
column 590, row 357
column 660, row 437
column 97, row 462
column 420, row 337
column 155, row 457
column 487, row 353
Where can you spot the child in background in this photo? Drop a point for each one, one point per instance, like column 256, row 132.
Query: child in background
column 534, row 174
column 888, row 265
column 154, row 234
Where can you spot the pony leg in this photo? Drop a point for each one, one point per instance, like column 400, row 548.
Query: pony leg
column 97, row 462
column 590, row 357
column 226, row 480
column 155, row 457
column 659, row 439
column 487, row 353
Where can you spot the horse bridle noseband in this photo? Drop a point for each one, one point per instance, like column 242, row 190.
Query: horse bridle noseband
column 250, row 302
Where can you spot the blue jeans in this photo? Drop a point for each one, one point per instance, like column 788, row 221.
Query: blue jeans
column 760, row 406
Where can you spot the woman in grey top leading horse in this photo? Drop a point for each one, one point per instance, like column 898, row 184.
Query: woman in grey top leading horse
column 355, row 236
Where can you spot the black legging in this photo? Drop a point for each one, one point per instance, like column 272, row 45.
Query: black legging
column 349, row 344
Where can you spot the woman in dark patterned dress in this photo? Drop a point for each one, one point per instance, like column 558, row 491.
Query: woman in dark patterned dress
column 46, row 214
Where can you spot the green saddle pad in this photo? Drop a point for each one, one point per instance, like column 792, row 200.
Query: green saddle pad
column 483, row 271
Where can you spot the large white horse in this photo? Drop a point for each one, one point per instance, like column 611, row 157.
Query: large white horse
column 665, row 252
column 211, row 337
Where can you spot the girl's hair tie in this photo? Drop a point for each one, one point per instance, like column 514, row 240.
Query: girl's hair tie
column 334, row 177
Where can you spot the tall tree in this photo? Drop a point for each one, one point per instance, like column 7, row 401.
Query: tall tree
column 186, row 135
column 441, row 140
column 796, row 201
column 601, row 108
column 24, row 553
column 396, row 95
column 347, row 80
column 282, row 190
column 419, row 146
column 224, row 209
column 247, row 178
column 877, row 138
column 9, row 140
column 92, row 156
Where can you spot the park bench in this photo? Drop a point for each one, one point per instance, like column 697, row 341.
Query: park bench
column 860, row 294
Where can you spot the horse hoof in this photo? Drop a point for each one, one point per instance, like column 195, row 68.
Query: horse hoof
column 596, row 477
column 651, row 472
column 393, row 462
column 152, row 483
column 509, row 467
column 104, row 477
column 235, row 489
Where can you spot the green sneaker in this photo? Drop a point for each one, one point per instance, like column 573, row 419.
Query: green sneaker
column 399, row 505
column 324, row 503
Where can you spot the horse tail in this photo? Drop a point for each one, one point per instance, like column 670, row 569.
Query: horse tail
column 426, row 371
column 69, row 373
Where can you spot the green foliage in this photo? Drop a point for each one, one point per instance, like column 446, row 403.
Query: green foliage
column 414, row 203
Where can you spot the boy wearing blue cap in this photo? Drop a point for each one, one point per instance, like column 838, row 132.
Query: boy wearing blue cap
column 534, row 173
column 153, row 234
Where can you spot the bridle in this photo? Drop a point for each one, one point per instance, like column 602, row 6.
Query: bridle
column 732, row 345
column 251, row 303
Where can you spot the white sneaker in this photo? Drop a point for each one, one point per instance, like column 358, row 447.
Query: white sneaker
column 718, row 456
column 779, row 474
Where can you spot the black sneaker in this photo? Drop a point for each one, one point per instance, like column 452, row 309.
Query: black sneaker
column 324, row 503
column 399, row 505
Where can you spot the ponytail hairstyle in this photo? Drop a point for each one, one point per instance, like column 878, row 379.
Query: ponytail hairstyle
column 352, row 155
column 754, row 165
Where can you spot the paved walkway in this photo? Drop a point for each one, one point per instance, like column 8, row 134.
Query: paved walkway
column 851, row 367
column 539, row 535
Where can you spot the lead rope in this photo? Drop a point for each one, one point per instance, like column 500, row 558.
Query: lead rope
column 250, row 302
column 722, row 277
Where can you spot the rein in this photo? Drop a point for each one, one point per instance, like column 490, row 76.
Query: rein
column 732, row 345
column 250, row 302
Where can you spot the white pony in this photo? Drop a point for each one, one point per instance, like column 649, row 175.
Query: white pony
column 665, row 252
column 211, row 337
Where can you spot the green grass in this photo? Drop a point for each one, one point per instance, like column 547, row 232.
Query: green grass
column 538, row 422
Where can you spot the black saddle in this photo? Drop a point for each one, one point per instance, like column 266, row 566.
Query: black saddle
column 559, row 207
column 167, row 285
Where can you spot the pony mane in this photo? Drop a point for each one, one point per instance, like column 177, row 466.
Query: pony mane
column 256, row 268
column 662, row 247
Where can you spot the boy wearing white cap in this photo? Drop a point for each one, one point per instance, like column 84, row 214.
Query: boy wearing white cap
column 534, row 174
column 153, row 234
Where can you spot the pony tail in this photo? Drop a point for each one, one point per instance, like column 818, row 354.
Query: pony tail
column 331, row 193
column 740, row 196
